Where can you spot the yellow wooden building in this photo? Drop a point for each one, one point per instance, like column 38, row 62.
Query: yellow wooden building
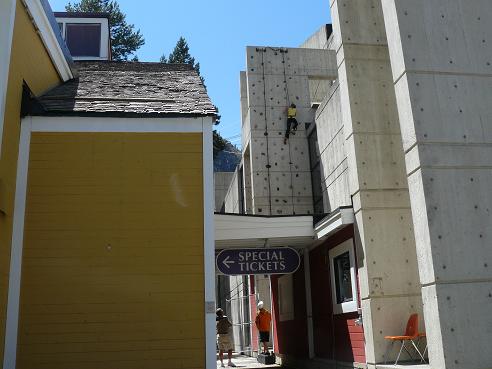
column 32, row 56
column 107, row 246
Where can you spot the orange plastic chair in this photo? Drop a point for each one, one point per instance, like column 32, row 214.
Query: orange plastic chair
column 422, row 335
column 411, row 334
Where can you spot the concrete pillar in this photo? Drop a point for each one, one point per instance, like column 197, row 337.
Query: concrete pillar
column 388, row 273
column 441, row 57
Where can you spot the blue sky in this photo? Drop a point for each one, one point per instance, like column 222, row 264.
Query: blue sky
column 217, row 32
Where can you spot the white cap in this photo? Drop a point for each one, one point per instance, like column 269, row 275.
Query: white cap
column 260, row 305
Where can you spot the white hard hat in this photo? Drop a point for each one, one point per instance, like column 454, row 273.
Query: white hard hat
column 260, row 305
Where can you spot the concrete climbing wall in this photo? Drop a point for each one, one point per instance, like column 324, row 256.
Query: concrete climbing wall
column 441, row 57
column 387, row 261
column 280, row 172
column 331, row 143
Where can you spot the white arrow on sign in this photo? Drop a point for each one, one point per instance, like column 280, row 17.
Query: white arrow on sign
column 226, row 262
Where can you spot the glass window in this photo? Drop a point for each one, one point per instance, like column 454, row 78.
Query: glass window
column 83, row 39
column 343, row 280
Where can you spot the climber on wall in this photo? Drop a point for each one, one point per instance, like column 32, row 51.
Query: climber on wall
column 291, row 121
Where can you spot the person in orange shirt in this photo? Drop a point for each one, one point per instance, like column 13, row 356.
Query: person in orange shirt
column 262, row 321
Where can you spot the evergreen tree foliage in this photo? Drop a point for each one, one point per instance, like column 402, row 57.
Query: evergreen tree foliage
column 181, row 54
column 124, row 39
column 219, row 143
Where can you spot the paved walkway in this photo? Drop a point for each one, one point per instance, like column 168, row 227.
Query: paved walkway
column 244, row 362
column 403, row 366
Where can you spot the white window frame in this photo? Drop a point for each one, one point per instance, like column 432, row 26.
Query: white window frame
column 285, row 286
column 104, row 42
column 349, row 306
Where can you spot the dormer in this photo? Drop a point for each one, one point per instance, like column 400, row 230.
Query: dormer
column 86, row 34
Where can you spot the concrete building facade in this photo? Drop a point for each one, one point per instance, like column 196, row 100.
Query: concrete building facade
column 442, row 78
column 395, row 122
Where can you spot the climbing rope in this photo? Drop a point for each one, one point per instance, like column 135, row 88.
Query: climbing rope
column 284, row 51
column 266, row 129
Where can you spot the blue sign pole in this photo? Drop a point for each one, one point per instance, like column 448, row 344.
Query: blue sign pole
column 280, row 260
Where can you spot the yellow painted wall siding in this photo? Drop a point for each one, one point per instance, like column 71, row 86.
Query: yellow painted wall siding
column 113, row 272
column 29, row 62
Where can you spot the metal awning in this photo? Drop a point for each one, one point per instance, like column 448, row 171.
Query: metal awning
column 334, row 221
column 248, row 231
column 242, row 231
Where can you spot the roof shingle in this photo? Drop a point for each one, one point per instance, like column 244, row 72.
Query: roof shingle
column 128, row 88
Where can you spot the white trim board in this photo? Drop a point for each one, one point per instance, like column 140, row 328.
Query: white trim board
column 7, row 20
column 209, row 245
column 109, row 124
column 12, row 319
column 136, row 125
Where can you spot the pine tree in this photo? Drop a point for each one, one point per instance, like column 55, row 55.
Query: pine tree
column 219, row 142
column 181, row 54
column 124, row 39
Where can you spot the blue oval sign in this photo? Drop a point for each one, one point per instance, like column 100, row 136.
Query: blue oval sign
column 280, row 260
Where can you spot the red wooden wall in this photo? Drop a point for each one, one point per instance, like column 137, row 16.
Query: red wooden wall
column 336, row 337
column 291, row 336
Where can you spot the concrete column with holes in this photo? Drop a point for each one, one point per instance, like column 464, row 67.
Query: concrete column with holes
column 387, row 260
column 441, row 57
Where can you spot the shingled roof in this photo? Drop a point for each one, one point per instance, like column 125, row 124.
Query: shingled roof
column 105, row 88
